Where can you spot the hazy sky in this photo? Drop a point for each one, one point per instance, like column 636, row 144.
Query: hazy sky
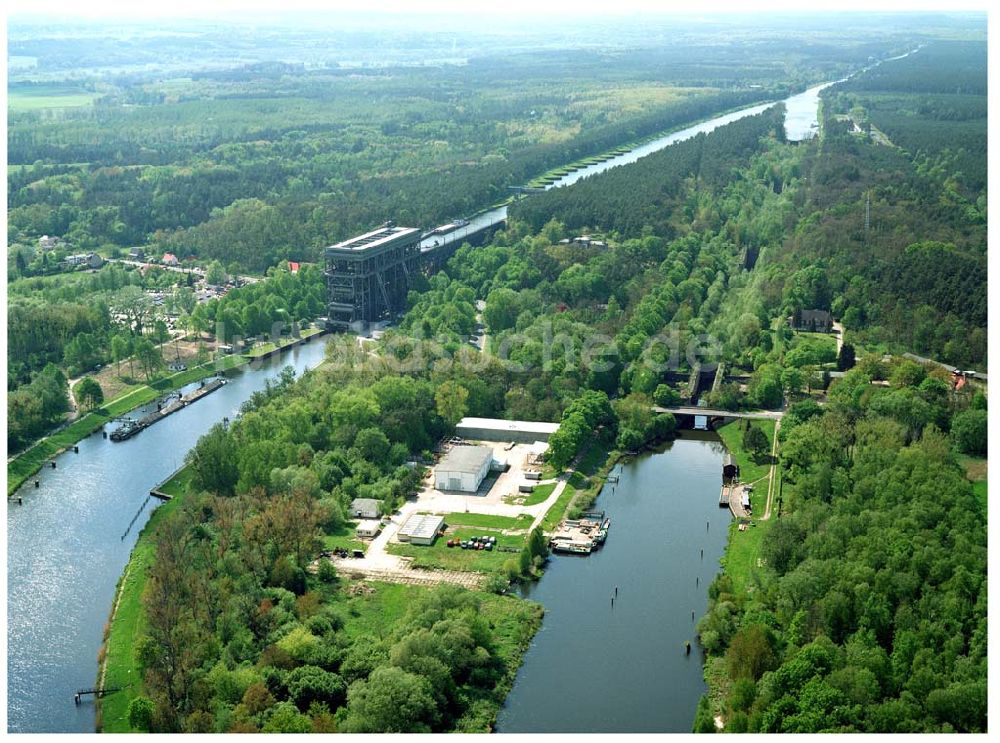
column 191, row 8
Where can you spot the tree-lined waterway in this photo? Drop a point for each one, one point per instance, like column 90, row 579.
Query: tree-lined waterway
column 598, row 667
column 589, row 669
column 67, row 546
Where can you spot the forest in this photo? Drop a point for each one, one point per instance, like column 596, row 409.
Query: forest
column 313, row 166
column 870, row 613
column 250, row 162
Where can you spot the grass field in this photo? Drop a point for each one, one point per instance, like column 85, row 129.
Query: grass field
column 42, row 97
column 539, row 494
column 344, row 538
column 976, row 472
column 489, row 521
column 742, row 554
column 732, row 437
column 442, row 557
column 979, row 488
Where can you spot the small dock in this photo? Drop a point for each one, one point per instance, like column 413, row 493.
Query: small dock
column 97, row 693
column 737, row 497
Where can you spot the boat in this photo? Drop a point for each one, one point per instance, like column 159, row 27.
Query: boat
column 127, row 429
column 602, row 532
column 568, row 545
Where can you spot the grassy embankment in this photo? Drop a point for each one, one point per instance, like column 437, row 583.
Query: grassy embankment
column 514, row 621
column 555, row 174
column 127, row 625
column 742, row 554
column 741, row 559
column 262, row 349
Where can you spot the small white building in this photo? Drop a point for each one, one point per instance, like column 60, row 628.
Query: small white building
column 368, row 528
column 421, row 528
column 497, row 429
column 365, row 508
column 89, row 259
column 463, row 468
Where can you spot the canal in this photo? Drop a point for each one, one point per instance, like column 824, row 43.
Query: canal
column 69, row 542
column 597, row 667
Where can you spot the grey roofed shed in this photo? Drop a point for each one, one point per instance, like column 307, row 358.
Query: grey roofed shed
column 365, row 508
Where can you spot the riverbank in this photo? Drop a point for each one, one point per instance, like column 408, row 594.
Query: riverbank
column 30, row 461
column 741, row 558
column 116, row 658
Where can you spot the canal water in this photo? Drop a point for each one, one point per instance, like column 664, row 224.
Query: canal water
column 602, row 668
column 801, row 123
column 494, row 216
column 69, row 542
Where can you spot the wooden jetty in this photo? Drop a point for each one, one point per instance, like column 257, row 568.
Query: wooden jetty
column 96, row 692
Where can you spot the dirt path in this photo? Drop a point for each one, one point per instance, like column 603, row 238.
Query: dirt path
column 838, row 330
column 407, row 575
column 771, row 474
column 74, row 409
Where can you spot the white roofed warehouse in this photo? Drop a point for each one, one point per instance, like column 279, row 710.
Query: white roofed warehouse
column 463, row 468
column 497, row 429
column 421, row 528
